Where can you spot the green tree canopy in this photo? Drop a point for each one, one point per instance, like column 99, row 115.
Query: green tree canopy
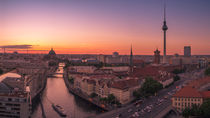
column 205, row 109
column 202, row 111
column 1, row 71
column 207, row 72
column 151, row 86
column 92, row 95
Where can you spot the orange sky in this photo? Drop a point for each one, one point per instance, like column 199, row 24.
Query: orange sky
column 87, row 29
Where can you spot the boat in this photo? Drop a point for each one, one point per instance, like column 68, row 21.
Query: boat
column 59, row 110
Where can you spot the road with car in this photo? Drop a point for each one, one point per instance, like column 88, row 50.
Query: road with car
column 152, row 106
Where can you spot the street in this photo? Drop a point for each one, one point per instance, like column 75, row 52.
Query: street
column 152, row 106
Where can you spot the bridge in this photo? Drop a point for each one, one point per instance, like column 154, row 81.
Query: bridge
column 168, row 110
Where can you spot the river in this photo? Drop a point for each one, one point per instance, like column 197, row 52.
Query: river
column 57, row 93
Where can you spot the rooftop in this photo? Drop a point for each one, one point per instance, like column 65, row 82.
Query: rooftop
column 205, row 94
column 188, row 92
column 125, row 84
column 9, row 75
column 199, row 82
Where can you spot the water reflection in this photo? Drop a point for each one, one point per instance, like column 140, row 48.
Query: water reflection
column 57, row 93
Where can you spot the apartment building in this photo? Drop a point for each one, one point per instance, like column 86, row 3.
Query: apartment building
column 123, row 89
column 15, row 100
column 103, row 85
column 187, row 97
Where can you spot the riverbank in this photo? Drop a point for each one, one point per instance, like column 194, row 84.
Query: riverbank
column 83, row 96
column 57, row 92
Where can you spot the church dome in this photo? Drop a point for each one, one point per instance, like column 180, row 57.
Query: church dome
column 52, row 52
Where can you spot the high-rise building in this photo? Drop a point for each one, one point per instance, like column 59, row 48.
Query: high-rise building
column 15, row 100
column 187, row 51
column 164, row 28
column 157, row 56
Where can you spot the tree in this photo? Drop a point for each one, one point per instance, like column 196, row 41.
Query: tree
column 176, row 78
column 71, row 80
column 137, row 93
column 1, row 71
column 111, row 98
column 92, row 95
column 205, row 109
column 207, row 72
column 186, row 113
column 202, row 111
column 151, row 86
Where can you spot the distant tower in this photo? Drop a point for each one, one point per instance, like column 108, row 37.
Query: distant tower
column 157, row 56
column 164, row 28
column 131, row 57
column 187, row 51
column 131, row 60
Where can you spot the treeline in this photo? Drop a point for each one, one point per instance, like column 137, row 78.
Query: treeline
column 202, row 111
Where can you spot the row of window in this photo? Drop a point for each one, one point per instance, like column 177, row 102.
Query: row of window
column 187, row 99
column 10, row 112
column 185, row 104
column 9, row 104
column 9, row 116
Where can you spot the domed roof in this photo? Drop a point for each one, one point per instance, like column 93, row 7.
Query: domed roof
column 52, row 52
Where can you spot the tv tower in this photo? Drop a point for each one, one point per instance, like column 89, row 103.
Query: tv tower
column 164, row 28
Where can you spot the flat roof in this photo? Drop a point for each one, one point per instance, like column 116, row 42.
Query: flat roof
column 9, row 74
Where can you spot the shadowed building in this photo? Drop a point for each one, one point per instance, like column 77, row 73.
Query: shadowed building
column 157, row 56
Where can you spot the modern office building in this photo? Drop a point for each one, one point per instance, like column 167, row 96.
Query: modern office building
column 187, row 51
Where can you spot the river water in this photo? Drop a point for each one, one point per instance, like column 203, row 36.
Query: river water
column 57, row 93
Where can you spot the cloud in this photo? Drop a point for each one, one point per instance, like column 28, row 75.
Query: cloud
column 17, row 46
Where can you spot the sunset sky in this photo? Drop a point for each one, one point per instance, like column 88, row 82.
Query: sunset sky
column 105, row 26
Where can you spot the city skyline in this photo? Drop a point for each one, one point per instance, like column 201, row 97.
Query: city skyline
column 92, row 27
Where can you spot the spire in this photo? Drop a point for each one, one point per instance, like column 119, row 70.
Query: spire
column 164, row 10
column 131, row 50
column 131, row 57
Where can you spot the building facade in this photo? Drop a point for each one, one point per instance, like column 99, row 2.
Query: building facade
column 187, row 97
column 187, row 51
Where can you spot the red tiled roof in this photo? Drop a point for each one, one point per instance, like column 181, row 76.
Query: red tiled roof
column 152, row 71
column 125, row 84
column 188, row 91
column 200, row 82
column 205, row 94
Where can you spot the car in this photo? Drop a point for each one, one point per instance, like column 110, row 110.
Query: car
column 165, row 97
column 129, row 110
column 120, row 115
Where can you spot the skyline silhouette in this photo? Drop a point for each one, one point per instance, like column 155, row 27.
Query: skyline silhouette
column 94, row 27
